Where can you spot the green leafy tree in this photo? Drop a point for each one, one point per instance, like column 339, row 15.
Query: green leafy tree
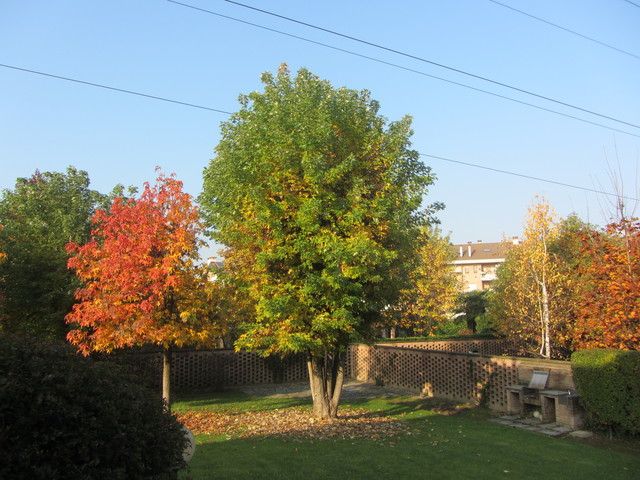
column 3, row 256
column 317, row 199
column 40, row 216
column 470, row 307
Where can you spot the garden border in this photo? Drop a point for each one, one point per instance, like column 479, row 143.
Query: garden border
column 452, row 370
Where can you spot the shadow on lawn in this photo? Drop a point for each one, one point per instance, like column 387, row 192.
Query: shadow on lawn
column 235, row 400
column 401, row 406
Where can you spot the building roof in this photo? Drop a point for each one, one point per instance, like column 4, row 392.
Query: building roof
column 481, row 252
column 215, row 262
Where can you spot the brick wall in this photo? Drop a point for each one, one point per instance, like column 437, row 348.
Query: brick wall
column 461, row 377
column 449, row 373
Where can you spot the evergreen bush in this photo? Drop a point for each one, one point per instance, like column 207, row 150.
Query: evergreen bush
column 64, row 416
column 608, row 382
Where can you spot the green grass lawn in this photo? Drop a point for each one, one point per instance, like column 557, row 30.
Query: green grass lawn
column 438, row 444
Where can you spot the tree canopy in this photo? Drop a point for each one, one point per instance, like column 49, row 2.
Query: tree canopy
column 608, row 308
column 430, row 297
column 317, row 200
column 39, row 217
column 531, row 298
column 470, row 306
column 142, row 280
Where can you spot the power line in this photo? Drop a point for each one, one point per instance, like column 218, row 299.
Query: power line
column 192, row 105
column 131, row 92
column 566, row 29
column 421, row 59
column 384, row 62
column 529, row 177
column 634, row 4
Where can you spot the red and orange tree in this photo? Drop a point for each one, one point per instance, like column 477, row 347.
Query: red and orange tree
column 142, row 281
column 609, row 306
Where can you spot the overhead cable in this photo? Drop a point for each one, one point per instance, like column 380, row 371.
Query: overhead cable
column 566, row 29
column 192, row 105
column 384, row 62
column 421, row 59
column 529, row 177
column 131, row 92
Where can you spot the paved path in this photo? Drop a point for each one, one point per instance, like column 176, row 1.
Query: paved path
column 534, row 425
column 351, row 389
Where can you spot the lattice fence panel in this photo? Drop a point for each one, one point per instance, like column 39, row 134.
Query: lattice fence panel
column 199, row 370
column 472, row 378
column 211, row 370
column 464, row 377
column 484, row 347
column 359, row 364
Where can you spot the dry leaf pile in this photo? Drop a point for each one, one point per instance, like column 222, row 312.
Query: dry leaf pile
column 294, row 422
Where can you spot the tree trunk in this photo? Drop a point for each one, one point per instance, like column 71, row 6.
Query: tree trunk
column 326, row 377
column 546, row 323
column 471, row 324
column 166, row 375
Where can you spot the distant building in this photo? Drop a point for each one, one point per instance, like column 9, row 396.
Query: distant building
column 214, row 264
column 476, row 263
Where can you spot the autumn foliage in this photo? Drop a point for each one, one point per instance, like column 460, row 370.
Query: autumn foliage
column 142, row 282
column 569, row 286
column 431, row 295
column 531, row 300
column 608, row 313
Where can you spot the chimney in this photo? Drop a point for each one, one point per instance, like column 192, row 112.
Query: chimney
column 479, row 241
column 469, row 249
column 461, row 251
column 515, row 241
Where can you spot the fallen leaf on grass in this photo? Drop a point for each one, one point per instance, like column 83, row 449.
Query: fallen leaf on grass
column 294, row 422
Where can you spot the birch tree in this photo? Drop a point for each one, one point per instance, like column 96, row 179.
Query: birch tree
column 529, row 297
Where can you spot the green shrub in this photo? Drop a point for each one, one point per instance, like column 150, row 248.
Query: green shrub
column 64, row 416
column 608, row 382
column 485, row 324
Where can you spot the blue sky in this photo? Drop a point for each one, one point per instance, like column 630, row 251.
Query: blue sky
column 163, row 49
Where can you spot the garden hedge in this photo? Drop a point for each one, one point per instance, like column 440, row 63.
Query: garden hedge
column 64, row 416
column 608, row 382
